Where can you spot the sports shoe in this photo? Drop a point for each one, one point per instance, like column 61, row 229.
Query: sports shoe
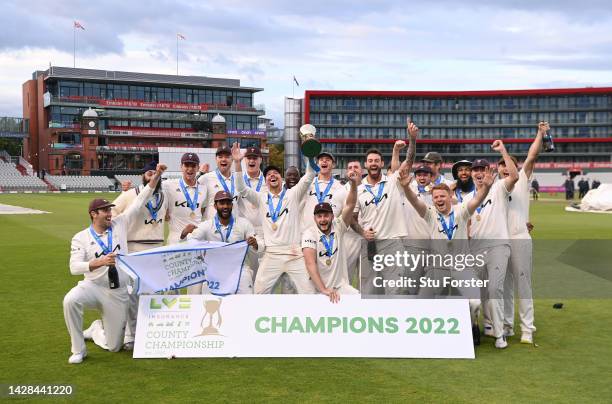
column 476, row 334
column 488, row 331
column 500, row 343
column 526, row 338
column 88, row 333
column 508, row 332
column 77, row 357
column 128, row 346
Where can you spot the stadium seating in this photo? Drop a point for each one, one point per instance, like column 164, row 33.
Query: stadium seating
column 80, row 183
column 135, row 179
column 12, row 180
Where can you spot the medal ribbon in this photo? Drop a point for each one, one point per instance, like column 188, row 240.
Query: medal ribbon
column 450, row 228
column 230, row 226
column 192, row 204
column 381, row 189
column 322, row 195
column 153, row 210
column 329, row 244
column 248, row 182
column 223, row 184
column 108, row 248
column 274, row 211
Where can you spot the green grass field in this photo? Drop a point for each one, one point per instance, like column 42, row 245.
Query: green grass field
column 571, row 362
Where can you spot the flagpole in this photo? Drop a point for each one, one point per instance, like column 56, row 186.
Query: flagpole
column 73, row 46
column 177, row 38
column 293, row 87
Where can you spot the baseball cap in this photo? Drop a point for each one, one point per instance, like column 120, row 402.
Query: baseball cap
column 190, row 158
column 252, row 152
column 328, row 154
column 152, row 165
column 423, row 169
column 272, row 168
column 323, row 207
column 223, row 150
column 460, row 163
column 480, row 163
column 99, row 204
column 222, row 196
column 432, row 157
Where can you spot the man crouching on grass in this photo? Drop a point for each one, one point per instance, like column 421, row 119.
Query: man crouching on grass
column 322, row 246
column 92, row 254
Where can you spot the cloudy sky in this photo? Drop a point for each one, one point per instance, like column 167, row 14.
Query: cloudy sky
column 331, row 44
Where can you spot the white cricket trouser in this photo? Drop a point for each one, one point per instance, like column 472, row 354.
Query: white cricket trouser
column 494, row 270
column 518, row 278
column 351, row 243
column 112, row 303
column 283, row 259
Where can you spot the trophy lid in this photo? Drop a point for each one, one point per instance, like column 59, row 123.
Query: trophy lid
column 308, row 129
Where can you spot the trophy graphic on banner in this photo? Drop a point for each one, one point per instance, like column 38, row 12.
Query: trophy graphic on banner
column 211, row 308
column 311, row 147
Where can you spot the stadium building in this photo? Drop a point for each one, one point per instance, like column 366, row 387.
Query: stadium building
column 99, row 122
column 463, row 124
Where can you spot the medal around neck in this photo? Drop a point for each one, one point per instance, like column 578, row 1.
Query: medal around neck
column 311, row 147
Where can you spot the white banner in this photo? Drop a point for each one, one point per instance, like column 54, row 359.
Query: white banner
column 301, row 326
column 185, row 264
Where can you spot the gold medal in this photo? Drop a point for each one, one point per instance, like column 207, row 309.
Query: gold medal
column 328, row 262
column 478, row 217
column 192, row 215
column 274, row 226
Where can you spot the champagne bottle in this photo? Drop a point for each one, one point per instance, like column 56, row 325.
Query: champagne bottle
column 113, row 277
column 549, row 145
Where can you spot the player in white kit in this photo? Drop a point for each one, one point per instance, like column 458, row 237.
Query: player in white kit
column 520, row 267
column 280, row 212
column 220, row 179
column 463, row 188
column 352, row 240
column 92, row 254
column 145, row 232
column 447, row 227
column 434, row 161
column 322, row 246
column 489, row 236
column 227, row 228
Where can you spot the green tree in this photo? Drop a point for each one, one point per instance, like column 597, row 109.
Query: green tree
column 277, row 155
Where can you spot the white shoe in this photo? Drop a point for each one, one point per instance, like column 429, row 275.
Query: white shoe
column 488, row 331
column 526, row 338
column 508, row 332
column 88, row 333
column 500, row 343
column 128, row 346
column 77, row 357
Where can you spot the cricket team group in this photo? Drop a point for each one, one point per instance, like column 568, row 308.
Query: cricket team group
column 313, row 233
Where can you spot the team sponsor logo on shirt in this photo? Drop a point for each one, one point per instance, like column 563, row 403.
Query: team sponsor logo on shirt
column 184, row 204
column 98, row 255
column 286, row 210
column 372, row 201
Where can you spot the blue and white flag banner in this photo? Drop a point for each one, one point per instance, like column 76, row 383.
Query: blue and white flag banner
column 177, row 266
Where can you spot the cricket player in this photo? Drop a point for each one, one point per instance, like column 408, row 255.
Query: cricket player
column 144, row 233
column 227, row 228
column 324, row 188
column 221, row 179
column 352, row 240
column 280, row 212
column 449, row 223
column 434, row 161
column 322, row 246
column 489, row 236
column 92, row 254
column 254, row 179
column 520, row 266
column 186, row 198
column 464, row 187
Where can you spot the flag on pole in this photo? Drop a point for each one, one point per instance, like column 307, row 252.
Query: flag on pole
column 78, row 25
column 180, row 36
column 296, row 82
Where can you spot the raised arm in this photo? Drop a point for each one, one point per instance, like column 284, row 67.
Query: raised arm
column 482, row 193
column 351, row 199
column 395, row 156
column 404, row 181
column 241, row 187
column 300, row 189
column 413, row 132
column 513, row 176
column 535, row 148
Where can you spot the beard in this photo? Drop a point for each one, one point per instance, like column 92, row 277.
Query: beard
column 465, row 186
